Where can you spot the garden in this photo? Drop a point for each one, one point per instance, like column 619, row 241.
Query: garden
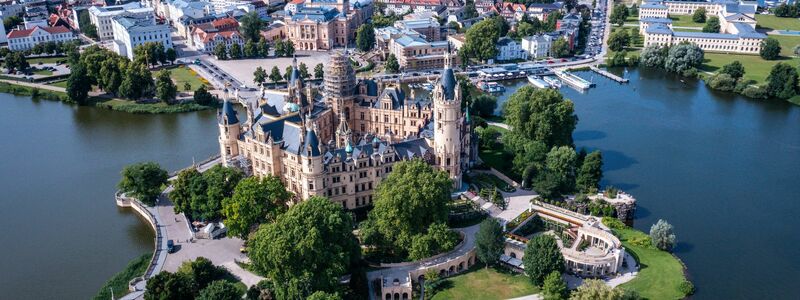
column 480, row 283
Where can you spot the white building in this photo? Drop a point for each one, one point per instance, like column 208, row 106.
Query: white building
column 20, row 40
column 509, row 49
column 102, row 17
column 537, row 46
column 130, row 32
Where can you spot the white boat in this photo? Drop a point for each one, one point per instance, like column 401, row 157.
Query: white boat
column 555, row 83
column 538, row 82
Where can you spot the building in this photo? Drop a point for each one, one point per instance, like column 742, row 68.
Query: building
column 130, row 31
column 400, row 7
column 101, row 16
column 325, row 24
column 24, row 39
column 224, row 31
column 537, row 46
column 737, row 26
column 343, row 142
column 413, row 52
column 429, row 28
column 509, row 49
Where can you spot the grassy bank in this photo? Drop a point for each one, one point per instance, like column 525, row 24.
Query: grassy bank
column 661, row 273
column 119, row 283
column 21, row 90
column 772, row 22
column 486, row 284
column 182, row 75
column 755, row 67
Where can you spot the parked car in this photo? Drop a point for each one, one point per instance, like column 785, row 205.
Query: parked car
column 170, row 246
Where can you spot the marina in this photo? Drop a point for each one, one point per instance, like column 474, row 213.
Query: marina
column 609, row 75
column 574, row 81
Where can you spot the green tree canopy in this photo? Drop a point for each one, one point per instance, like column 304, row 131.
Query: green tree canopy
column 541, row 115
column 259, row 75
column 770, row 49
column 165, row 88
column 306, row 249
column 392, row 65
column 437, row 240
column 595, row 289
column 618, row 40
column 235, row 52
column 221, row 52
column 143, row 181
column 712, row 25
column 275, row 74
column 662, row 235
column 554, row 287
column 203, row 97
column 590, row 173
column 542, row 257
column 699, row 15
column 410, row 199
column 489, row 241
column 481, row 39
column 619, row 14
column 684, row 59
column 319, row 71
column 734, row 69
column 251, row 25
column 559, row 48
column 137, row 82
column 654, row 56
column 170, row 286
column 782, row 81
column 560, row 162
column 220, row 290
column 484, row 105
column 255, row 200
column 78, row 84
column 365, row 37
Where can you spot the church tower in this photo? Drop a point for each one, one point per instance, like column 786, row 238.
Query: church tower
column 229, row 130
column 340, row 85
column 447, row 120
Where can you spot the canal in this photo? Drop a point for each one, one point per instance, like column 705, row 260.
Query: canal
column 62, row 235
column 722, row 169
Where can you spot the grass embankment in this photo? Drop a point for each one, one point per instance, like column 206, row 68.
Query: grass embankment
column 119, row 283
column 755, row 67
column 660, row 274
column 771, row 22
column 182, row 75
column 481, row 283
column 61, row 84
column 21, row 90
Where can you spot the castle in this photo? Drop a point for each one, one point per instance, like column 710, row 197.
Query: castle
column 340, row 141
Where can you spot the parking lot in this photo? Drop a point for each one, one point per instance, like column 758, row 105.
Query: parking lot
column 240, row 71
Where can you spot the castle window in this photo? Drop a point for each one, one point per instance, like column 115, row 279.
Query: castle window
column 362, row 115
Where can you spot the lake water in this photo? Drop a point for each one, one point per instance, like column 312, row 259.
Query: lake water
column 724, row 170
column 62, row 235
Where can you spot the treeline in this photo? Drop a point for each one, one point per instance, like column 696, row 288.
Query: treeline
column 785, row 10
column 782, row 82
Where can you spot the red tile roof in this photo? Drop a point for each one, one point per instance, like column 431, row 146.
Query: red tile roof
column 27, row 32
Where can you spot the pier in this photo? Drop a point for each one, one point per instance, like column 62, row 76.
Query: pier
column 609, row 75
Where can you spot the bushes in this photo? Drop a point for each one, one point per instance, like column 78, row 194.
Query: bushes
column 119, row 283
column 686, row 287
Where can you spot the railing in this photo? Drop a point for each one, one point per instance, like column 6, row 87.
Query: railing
column 139, row 207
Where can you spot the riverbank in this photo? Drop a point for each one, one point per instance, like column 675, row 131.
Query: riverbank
column 57, row 93
column 119, row 282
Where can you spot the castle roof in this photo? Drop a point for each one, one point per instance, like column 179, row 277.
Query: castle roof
column 311, row 147
column 228, row 113
column 449, row 83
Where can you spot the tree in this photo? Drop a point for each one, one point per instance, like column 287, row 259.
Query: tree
column 484, row 105
column 487, row 137
column 263, row 47
column 220, row 290
column 251, row 25
column 288, row 74
column 203, row 97
column 202, row 271
column 438, row 239
column 560, row 162
column 78, row 84
column 590, row 173
column 481, row 39
column 306, row 249
column 187, row 86
column 684, row 59
column 165, row 88
column 618, row 40
column 661, row 233
column 111, row 71
column 280, row 45
column 171, row 55
column 250, row 49
column 392, row 66
column 16, row 61
column 259, row 76
column 542, row 257
column 288, row 48
column 782, row 81
column 654, row 56
column 303, row 70
column 619, row 14
column 365, row 37
column 137, row 82
column 721, row 82
column 502, row 25
column 559, row 48
column 699, row 15
column 275, row 74
column 469, row 10
column 189, row 186
column 734, row 69
column 254, row 201
column 143, row 181
column 221, row 52
column 170, row 286
column 410, row 199
column 489, row 241
column 319, row 71
column 595, row 289
column 263, row 290
column 235, row 51
column 541, row 115
column 221, row 183
column 11, row 22
column 770, row 49
column 712, row 25
column 554, row 287
column 320, row 295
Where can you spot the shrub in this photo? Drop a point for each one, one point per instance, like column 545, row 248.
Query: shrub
column 613, row 223
column 686, row 287
column 755, row 92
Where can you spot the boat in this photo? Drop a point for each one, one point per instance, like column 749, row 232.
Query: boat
column 555, row 83
column 491, row 87
column 537, row 81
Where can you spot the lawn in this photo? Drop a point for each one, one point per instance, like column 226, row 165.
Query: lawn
column 755, row 67
column 62, row 83
column 43, row 72
column 184, row 74
column 773, row 22
column 45, row 60
column 685, row 21
column 788, row 43
column 119, row 283
column 498, row 157
column 485, row 284
column 661, row 273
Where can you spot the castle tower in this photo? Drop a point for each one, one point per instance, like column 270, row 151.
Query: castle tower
column 229, row 130
column 447, row 120
column 313, row 168
column 340, row 84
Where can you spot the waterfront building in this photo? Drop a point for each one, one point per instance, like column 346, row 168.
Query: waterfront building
column 24, row 39
column 224, row 31
column 509, row 49
column 737, row 26
column 429, row 28
column 132, row 31
column 341, row 143
column 325, row 24
column 537, row 46
column 101, row 16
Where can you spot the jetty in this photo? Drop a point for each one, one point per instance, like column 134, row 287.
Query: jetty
column 609, row 75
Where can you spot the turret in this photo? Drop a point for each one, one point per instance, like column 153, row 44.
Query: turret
column 229, row 130
column 447, row 120
column 313, row 169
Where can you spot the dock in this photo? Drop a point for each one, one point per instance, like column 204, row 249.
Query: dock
column 609, row 75
column 574, row 81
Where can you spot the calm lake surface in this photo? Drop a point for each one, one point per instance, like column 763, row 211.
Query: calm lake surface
column 62, row 235
column 722, row 169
